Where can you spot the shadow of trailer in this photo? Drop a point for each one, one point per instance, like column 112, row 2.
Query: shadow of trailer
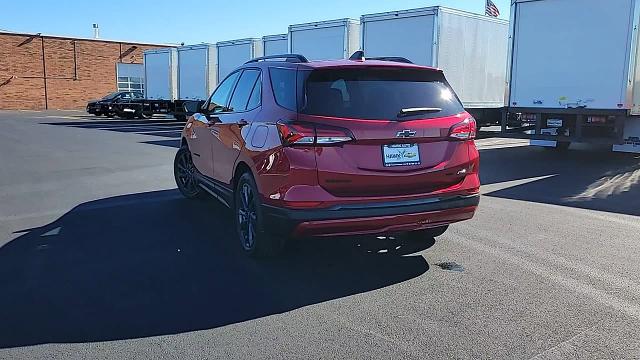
column 146, row 108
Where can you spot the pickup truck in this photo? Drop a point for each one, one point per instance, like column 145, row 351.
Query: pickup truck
column 104, row 106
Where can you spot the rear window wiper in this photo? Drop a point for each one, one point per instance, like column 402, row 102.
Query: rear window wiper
column 418, row 110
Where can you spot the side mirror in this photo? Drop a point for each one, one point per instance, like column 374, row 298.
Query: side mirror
column 201, row 118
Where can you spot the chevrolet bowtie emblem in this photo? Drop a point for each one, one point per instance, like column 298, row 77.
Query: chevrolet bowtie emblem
column 406, row 133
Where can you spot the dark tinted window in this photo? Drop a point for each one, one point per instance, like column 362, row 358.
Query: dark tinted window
column 378, row 93
column 220, row 97
column 111, row 96
column 283, row 82
column 256, row 95
column 243, row 90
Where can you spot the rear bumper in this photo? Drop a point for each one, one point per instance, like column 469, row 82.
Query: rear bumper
column 373, row 218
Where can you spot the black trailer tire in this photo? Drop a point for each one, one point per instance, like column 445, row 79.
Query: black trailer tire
column 110, row 115
column 250, row 227
column 97, row 113
column 560, row 146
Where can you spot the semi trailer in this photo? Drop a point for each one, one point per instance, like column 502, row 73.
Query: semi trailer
column 325, row 40
column 275, row 44
column 470, row 48
column 234, row 53
column 573, row 73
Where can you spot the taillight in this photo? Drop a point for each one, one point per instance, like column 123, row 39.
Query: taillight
column 465, row 130
column 291, row 133
column 295, row 133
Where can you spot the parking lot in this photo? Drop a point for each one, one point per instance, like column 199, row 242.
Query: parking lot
column 101, row 257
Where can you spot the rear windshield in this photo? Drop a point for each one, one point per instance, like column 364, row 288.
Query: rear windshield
column 378, row 94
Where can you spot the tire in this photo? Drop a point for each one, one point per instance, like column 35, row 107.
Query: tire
column 560, row 146
column 110, row 115
column 97, row 113
column 429, row 233
column 253, row 238
column 184, row 173
column 142, row 115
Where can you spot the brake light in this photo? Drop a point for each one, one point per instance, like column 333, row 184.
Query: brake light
column 312, row 134
column 291, row 133
column 465, row 130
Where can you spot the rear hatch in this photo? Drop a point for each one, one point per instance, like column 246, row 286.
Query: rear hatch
column 400, row 120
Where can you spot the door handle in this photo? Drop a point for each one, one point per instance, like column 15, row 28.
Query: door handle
column 242, row 122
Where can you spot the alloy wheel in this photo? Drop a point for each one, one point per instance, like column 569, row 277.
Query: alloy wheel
column 247, row 217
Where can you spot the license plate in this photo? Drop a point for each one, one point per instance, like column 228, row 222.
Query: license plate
column 554, row 123
column 400, row 155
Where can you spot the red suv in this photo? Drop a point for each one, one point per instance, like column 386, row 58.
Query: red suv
column 322, row 148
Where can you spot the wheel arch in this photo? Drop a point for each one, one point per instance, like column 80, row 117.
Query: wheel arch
column 241, row 168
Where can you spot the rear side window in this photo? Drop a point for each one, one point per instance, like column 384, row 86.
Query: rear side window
column 283, row 83
column 243, row 90
column 376, row 93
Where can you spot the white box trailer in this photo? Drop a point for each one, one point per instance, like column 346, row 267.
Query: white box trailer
column 234, row 53
column 470, row 48
column 325, row 40
column 161, row 74
column 197, row 76
column 275, row 44
column 573, row 72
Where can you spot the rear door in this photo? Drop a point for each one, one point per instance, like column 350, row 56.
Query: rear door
column 400, row 119
column 571, row 53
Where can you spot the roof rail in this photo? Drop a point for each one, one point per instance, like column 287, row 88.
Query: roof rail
column 293, row 58
column 359, row 56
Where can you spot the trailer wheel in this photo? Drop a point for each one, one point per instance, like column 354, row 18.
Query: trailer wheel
column 560, row 146
column 110, row 115
column 142, row 115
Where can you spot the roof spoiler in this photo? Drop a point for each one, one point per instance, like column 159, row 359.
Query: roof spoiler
column 359, row 56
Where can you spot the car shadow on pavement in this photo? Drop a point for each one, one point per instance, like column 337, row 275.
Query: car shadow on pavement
column 168, row 128
column 588, row 177
column 155, row 264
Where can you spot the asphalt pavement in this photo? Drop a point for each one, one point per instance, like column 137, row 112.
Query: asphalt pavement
column 100, row 257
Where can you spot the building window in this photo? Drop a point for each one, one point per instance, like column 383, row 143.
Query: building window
column 130, row 84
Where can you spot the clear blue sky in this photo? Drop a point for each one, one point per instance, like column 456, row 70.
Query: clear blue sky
column 190, row 21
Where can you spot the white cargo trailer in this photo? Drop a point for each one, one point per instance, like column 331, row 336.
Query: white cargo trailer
column 196, row 71
column 275, row 44
column 234, row 53
column 161, row 74
column 325, row 40
column 470, row 48
column 573, row 74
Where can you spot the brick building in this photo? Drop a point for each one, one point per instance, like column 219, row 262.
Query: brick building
column 40, row 72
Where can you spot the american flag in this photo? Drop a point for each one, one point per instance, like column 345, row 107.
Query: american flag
column 491, row 9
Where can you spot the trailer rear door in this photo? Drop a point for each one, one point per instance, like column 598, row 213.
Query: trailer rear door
column 571, row 53
column 408, row 33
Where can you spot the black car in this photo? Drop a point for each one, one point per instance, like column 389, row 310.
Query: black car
column 104, row 106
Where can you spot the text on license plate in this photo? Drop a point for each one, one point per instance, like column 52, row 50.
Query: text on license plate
column 400, row 155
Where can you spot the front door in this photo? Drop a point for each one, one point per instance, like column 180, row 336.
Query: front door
column 230, row 131
column 204, row 131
